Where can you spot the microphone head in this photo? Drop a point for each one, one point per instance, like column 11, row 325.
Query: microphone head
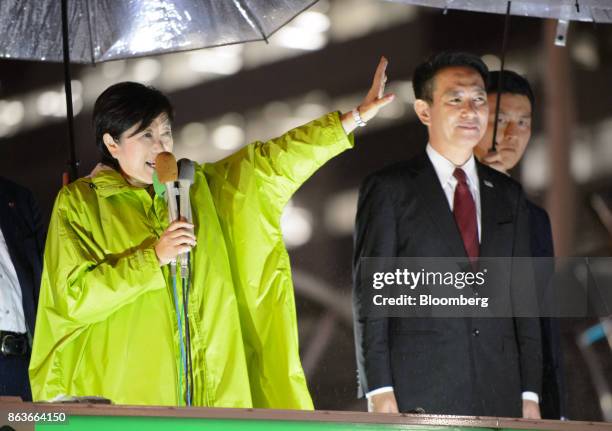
column 186, row 170
column 166, row 168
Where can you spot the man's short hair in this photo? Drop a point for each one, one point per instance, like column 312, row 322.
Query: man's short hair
column 122, row 106
column 423, row 78
column 511, row 83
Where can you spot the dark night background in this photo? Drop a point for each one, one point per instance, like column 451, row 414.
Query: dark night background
column 269, row 88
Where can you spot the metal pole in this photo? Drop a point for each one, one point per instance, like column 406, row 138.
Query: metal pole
column 559, row 119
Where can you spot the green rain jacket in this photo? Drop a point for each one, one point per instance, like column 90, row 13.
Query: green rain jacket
column 106, row 324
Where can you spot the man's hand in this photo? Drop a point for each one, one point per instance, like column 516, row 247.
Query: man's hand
column 383, row 403
column 374, row 100
column 531, row 410
column 178, row 238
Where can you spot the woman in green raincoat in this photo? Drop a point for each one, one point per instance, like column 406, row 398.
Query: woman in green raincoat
column 106, row 322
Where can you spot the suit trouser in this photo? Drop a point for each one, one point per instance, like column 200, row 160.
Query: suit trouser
column 14, row 379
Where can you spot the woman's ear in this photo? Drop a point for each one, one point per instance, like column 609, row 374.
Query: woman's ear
column 111, row 145
column 422, row 109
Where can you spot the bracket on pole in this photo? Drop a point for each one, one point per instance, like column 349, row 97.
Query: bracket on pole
column 561, row 35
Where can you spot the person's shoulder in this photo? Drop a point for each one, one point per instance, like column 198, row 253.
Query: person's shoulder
column 78, row 193
column 12, row 188
column 388, row 172
column 84, row 185
column 537, row 213
column 383, row 180
column 536, row 208
column 498, row 178
column 5, row 184
column 397, row 172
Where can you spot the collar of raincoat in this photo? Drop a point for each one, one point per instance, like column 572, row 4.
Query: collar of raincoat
column 108, row 181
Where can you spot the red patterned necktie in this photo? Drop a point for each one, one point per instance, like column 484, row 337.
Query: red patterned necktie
column 464, row 211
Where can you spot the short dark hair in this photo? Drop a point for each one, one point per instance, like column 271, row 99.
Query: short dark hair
column 123, row 105
column 423, row 77
column 511, row 83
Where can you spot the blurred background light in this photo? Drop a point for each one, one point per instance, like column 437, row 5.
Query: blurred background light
column 296, row 225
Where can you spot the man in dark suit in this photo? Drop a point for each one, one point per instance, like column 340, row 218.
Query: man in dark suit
column 22, row 239
column 443, row 203
column 512, row 137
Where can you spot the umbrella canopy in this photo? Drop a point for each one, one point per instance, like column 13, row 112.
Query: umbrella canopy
column 103, row 30
column 93, row 31
column 562, row 10
column 570, row 10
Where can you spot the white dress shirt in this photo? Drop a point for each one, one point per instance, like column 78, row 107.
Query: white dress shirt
column 444, row 170
column 11, row 308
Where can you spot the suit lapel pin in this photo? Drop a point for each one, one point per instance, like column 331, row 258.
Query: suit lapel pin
column 11, row 204
column 488, row 183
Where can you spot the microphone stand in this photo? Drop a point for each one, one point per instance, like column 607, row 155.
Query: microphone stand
column 166, row 172
column 173, row 214
column 179, row 208
column 186, row 176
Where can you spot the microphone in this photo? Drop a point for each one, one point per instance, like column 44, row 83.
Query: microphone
column 167, row 173
column 186, row 169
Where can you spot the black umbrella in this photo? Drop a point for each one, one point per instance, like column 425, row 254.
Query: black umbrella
column 94, row 31
column 596, row 11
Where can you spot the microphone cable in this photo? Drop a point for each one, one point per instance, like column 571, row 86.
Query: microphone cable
column 183, row 366
column 185, row 278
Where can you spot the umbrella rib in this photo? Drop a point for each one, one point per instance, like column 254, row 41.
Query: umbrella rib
column 293, row 17
column 91, row 37
column 250, row 18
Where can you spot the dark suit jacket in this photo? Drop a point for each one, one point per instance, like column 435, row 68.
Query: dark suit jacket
column 25, row 238
column 553, row 383
column 463, row 366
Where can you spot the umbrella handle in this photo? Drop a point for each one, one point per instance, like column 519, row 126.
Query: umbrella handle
column 73, row 164
column 501, row 72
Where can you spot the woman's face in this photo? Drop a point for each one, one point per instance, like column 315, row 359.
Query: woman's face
column 136, row 153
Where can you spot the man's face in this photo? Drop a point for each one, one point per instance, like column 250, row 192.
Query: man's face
column 458, row 114
column 513, row 129
column 136, row 153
